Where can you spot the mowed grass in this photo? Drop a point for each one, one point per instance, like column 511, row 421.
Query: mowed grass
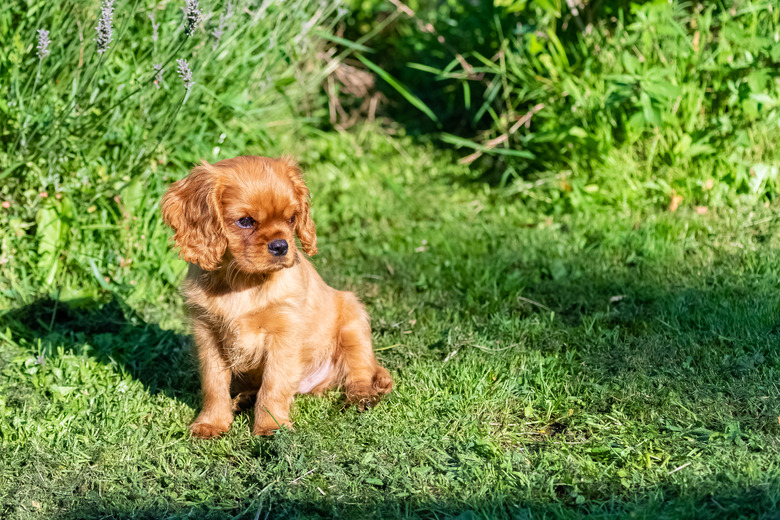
column 606, row 363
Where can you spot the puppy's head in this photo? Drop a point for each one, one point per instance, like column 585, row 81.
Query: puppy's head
column 246, row 210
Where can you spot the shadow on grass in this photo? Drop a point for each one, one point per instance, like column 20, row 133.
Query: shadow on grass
column 111, row 331
column 652, row 338
column 757, row 502
column 639, row 319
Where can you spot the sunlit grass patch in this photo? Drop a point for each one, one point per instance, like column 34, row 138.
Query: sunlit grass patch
column 545, row 366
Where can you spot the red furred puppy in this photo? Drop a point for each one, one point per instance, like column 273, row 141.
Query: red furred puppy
column 266, row 325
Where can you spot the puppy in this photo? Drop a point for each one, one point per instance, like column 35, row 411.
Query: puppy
column 266, row 325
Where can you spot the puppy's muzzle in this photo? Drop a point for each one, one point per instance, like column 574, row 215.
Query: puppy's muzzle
column 278, row 247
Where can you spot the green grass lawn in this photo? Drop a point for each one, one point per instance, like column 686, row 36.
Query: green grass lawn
column 607, row 362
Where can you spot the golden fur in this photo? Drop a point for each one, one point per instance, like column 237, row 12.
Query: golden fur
column 266, row 325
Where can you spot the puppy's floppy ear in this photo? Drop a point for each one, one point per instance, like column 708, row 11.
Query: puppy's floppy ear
column 191, row 207
column 304, row 225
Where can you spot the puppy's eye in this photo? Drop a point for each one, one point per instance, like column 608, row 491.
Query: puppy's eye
column 245, row 222
column 292, row 219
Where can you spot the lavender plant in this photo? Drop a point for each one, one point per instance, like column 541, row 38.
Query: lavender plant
column 192, row 16
column 155, row 28
column 186, row 76
column 220, row 29
column 43, row 44
column 84, row 128
column 104, row 28
column 43, row 52
column 158, row 74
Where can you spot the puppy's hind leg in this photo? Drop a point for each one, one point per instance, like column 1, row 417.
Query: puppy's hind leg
column 366, row 380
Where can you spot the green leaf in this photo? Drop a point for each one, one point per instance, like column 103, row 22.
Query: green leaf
column 661, row 90
column 761, row 173
column 62, row 391
column 98, row 275
column 459, row 141
column 424, row 68
column 558, row 270
column 411, row 98
column 342, row 41
column 51, row 233
column 763, row 98
column 132, row 196
column 651, row 115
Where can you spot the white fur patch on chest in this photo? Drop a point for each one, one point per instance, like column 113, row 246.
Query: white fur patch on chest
column 316, row 378
column 245, row 346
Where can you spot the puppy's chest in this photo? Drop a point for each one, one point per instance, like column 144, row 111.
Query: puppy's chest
column 250, row 323
column 248, row 336
column 245, row 342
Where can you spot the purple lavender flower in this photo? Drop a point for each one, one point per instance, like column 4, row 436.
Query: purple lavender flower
column 193, row 15
column 104, row 31
column 43, row 43
column 185, row 74
column 158, row 68
column 155, row 26
column 223, row 18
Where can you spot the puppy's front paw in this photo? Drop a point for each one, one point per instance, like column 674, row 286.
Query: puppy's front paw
column 203, row 430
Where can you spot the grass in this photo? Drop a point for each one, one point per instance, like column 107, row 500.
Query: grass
column 81, row 127
column 608, row 363
column 673, row 98
column 581, row 322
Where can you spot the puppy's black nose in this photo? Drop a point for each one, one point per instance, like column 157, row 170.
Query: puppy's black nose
column 278, row 247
